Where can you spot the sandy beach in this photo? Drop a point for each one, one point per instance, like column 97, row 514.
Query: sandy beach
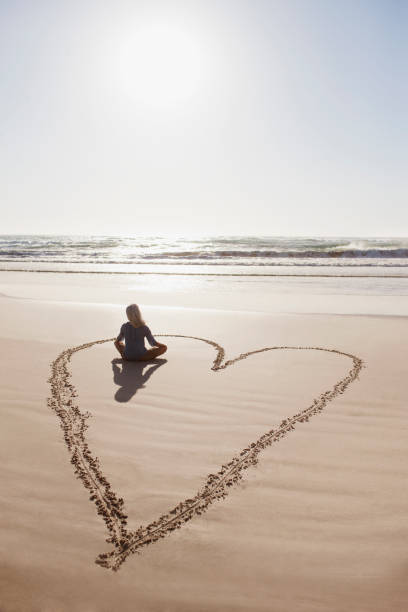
column 318, row 524
column 233, row 176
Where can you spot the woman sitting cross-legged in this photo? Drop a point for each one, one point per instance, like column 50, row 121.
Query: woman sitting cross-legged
column 134, row 332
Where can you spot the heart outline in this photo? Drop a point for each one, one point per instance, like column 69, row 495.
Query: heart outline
column 111, row 507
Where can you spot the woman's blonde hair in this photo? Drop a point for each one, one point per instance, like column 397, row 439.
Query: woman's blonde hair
column 134, row 315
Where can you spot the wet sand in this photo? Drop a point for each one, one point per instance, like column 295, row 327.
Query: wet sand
column 319, row 522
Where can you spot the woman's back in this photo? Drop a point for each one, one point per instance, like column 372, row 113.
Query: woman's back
column 134, row 339
column 134, row 332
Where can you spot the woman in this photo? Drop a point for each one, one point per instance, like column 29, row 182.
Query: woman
column 134, row 332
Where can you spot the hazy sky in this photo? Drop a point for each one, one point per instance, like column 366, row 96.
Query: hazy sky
column 284, row 117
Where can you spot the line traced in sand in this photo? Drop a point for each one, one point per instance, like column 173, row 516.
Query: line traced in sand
column 111, row 507
column 271, row 274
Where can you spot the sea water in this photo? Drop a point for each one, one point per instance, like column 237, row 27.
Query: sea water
column 215, row 255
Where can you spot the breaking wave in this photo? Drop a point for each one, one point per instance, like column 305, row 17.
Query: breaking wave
column 209, row 250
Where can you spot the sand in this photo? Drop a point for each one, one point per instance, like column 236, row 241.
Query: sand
column 318, row 524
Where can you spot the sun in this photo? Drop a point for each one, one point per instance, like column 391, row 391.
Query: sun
column 162, row 65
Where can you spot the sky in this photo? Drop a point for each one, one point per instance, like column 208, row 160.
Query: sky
column 279, row 117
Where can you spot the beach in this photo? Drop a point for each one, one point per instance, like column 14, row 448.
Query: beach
column 319, row 522
column 203, row 306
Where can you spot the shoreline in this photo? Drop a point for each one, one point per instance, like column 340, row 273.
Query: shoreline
column 282, row 275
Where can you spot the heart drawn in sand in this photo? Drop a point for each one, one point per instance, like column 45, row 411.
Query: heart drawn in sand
column 111, row 507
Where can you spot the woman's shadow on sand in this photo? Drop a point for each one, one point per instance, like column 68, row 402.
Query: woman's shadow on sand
column 131, row 378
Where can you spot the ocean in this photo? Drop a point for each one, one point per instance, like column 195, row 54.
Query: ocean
column 218, row 255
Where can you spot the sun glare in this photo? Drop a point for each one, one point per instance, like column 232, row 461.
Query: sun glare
column 162, row 66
